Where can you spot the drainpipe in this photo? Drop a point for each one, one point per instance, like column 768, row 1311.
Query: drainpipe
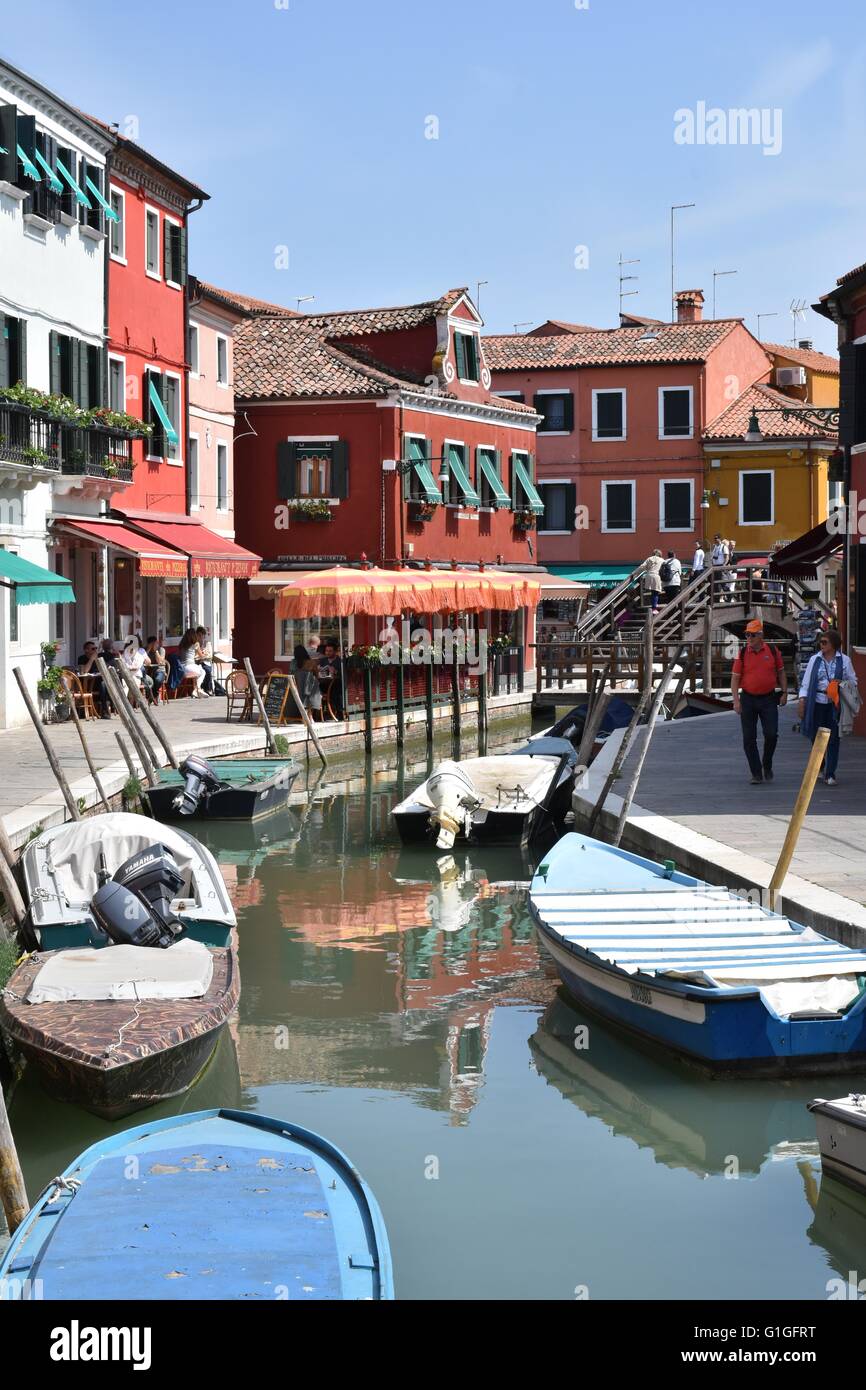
column 190, row 208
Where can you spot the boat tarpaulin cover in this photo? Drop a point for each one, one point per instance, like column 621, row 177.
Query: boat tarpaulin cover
column 183, row 970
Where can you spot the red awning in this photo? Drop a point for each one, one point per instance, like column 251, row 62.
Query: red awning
column 797, row 559
column 155, row 561
column 211, row 556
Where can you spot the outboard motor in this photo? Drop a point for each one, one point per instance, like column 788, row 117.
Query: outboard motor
column 201, row 782
column 453, row 795
column 134, row 909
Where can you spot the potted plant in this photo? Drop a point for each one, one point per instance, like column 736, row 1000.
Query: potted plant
column 362, row 656
column 524, row 519
column 53, row 696
column 311, row 509
column 422, row 510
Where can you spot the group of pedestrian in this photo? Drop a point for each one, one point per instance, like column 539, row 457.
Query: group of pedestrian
column 662, row 576
column 828, row 698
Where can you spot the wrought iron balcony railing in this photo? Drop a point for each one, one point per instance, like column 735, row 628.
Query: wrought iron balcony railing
column 97, row 453
column 29, row 439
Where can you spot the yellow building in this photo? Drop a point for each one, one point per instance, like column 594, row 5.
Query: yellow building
column 763, row 489
column 804, row 374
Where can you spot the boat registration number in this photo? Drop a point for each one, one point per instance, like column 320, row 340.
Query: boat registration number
column 641, row 995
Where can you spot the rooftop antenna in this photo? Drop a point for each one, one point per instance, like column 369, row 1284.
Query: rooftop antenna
column 764, row 316
column 526, row 324
column 304, row 299
column 797, row 311
column 624, row 294
column 716, row 274
column 478, row 284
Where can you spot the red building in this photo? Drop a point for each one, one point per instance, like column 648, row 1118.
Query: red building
column 374, row 433
column 620, row 452
column 845, row 305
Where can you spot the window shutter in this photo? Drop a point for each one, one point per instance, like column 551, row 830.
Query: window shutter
column 407, row 472
column 101, row 376
column 287, row 469
column 182, row 240
column 156, row 443
column 460, row 354
column 4, row 352
column 25, row 136
column 80, row 179
column 570, row 505
column 54, row 363
column 513, row 484
column 8, row 141
column 569, row 412
column 75, row 346
column 852, row 393
column 167, row 258
column 340, row 468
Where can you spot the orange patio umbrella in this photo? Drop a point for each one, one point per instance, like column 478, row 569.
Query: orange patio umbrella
column 339, row 592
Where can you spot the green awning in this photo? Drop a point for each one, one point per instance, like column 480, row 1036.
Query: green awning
column 79, row 193
column 427, row 481
column 106, row 207
column 494, row 482
column 522, row 473
column 29, row 167
column 170, row 431
column 461, row 477
column 56, row 185
column 31, row 583
column 598, row 576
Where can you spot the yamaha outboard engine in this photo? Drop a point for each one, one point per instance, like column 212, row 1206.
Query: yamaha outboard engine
column 201, row 782
column 134, row 909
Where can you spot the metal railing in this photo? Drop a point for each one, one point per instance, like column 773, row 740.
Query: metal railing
column 97, row 453
column 27, row 438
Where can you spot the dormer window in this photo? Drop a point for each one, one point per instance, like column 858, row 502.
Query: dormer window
column 466, row 355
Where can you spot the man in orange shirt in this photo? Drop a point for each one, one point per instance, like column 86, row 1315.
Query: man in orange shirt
column 757, row 675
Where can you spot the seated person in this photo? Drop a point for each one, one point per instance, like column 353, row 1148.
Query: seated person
column 188, row 665
column 305, row 670
column 204, row 657
column 87, row 667
column 157, row 666
column 329, row 670
column 134, row 658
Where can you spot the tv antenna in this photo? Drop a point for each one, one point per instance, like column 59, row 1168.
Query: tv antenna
column 797, row 311
column 624, row 294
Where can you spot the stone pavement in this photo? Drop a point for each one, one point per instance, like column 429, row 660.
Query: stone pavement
column 696, row 774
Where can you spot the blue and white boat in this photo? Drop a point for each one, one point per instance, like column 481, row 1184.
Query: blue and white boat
column 220, row 1204
column 699, row 969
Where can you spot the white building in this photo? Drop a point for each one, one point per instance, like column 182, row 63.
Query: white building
column 53, row 271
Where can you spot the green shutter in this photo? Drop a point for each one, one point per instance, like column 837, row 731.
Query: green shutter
column 460, row 473
column 460, row 354
column 167, row 256
column 489, row 468
column 570, row 505
column 340, row 468
column 287, row 469
column 407, row 472
column 183, row 254
column 4, row 351
column 8, row 141
column 527, row 495
column 54, row 363
column 74, row 350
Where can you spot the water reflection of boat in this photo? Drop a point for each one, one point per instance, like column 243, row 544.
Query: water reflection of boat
column 707, row 1127
column 838, row 1226
column 248, row 842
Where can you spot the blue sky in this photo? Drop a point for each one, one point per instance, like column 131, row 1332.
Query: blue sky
column 306, row 124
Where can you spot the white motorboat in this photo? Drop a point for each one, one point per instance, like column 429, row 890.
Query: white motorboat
column 841, row 1126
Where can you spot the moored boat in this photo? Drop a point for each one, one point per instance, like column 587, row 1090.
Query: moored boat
column 219, row 1204
column 227, row 789
column 841, row 1126
column 65, row 867
column 504, row 799
column 700, row 969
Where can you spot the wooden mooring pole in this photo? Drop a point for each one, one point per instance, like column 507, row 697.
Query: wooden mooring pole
column 8, row 881
column 401, row 704
column 125, row 714
column 305, row 715
column 79, row 728
column 71, row 803
column 260, row 706
column 13, row 1193
column 795, row 825
column 428, row 698
column 644, row 748
column 152, row 721
column 368, row 709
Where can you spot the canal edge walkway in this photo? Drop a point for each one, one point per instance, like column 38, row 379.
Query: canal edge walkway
column 810, row 900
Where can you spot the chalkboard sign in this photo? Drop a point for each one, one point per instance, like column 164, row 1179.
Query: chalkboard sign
column 276, row 696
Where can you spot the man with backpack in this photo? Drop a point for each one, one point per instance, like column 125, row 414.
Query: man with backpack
column 758, row 675
column 671, row 575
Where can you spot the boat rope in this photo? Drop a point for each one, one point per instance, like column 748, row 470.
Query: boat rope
column 120, row 1032
column 58, row 1185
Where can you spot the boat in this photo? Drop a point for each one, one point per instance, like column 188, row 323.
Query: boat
column 504, row 799
column 701, row 970
column 228, row 789
column 841, row 1128
column 119, row 1029
column 65, row 866
column 215, row 1205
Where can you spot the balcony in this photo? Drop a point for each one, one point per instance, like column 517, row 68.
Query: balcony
column 28, row 441
column 87, row 455
column 97, row 452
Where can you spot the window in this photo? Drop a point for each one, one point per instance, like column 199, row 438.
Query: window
column 171, row 400
column 222, row 362
column 557, row 408
column 617, row 507
column 676, row 505
column 174, row 253
column 117, row 233
column 222, row 624
column 151, row 242
column 675, row 412
column 418, row 483
column 560, row 501
column 192, row 349
column 608, row 415
column 75, row 370
column 92, row 217
column 222, row 453
column 67, row 203
column 174, row 624
column 466, row 356
column 42, row 200
column 292, row 631
column 315, row 473
column 488, row 478
column 116, row 383
column 13, row 350
column 192, row 467
column 313, row 468
column 757, row 498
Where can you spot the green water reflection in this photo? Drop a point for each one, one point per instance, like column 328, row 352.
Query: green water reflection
column 398, row 1003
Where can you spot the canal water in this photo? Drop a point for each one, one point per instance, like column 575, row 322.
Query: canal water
column 398, row 1003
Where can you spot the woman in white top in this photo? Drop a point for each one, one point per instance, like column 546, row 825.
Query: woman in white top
column 134, row 658
column 820, row 700
column 186, row 656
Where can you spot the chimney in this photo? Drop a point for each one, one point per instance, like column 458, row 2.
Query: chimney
column 805, row 343
column 690, row 306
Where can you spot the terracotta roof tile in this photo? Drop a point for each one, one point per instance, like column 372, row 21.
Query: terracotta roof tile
column 554, row 326
column 246, row 303
column 805, row 357
column 733, row 422
column 669, row 342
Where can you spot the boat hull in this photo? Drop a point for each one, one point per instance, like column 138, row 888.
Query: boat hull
column 731, row 1033
column 116, row 1057
column 238, row 800
column 842, row 1141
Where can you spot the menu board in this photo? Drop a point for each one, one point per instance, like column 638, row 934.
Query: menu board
column 275, row 698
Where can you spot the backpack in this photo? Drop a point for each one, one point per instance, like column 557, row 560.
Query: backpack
column 666, row 572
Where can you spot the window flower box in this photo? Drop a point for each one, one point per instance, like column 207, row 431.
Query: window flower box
column 524, row 520
column 315, row 509
column 422, row 511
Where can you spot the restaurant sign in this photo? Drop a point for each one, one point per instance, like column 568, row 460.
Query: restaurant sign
column 233, row 568
column 151, row 567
